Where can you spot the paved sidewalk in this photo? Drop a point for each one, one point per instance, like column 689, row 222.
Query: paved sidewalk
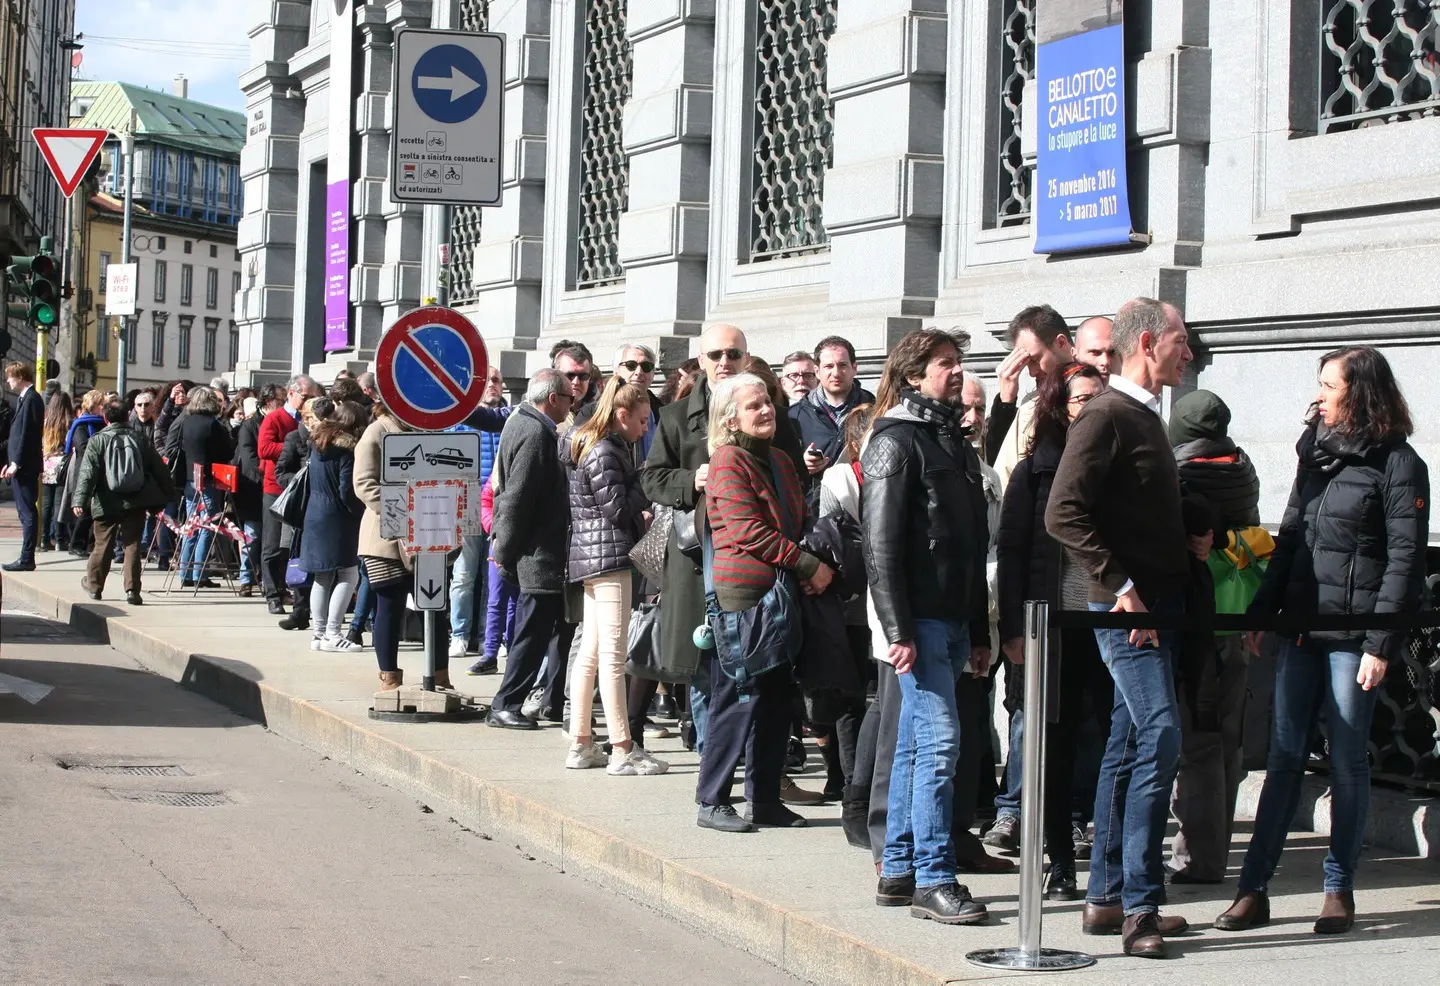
column 801, row 899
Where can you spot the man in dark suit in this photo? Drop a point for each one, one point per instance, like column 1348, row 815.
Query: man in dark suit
column 23, row 469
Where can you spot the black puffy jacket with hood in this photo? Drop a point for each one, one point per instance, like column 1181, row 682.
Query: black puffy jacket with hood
column 1210, row 464
column 606, row 504
column 1353, row 537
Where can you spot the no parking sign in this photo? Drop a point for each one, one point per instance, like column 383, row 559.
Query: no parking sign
column 431, row 367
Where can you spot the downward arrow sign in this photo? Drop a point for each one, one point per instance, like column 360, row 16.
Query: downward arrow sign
column 431, row 589
column 457, row 82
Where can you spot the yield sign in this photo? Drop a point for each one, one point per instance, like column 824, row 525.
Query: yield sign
column 69, row 153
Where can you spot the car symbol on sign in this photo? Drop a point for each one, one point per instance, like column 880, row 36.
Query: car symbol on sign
column 404, row 462
column 450, row 457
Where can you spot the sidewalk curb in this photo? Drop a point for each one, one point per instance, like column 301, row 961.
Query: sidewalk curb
column 808, row 949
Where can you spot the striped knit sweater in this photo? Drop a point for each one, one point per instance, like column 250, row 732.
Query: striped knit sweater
column 744, row 514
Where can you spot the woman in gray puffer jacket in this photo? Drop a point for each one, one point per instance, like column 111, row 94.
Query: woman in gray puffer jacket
column 608, row 514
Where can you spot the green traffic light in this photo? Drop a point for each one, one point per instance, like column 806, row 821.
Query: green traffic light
column 42, row 314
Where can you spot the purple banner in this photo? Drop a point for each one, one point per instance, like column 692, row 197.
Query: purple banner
column 337, row 266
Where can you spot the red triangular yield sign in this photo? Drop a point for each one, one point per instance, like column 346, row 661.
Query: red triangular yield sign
column 69, row 153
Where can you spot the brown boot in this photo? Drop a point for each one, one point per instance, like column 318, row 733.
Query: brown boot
column 1250, row 910
column 1098, row 919
column 1337, row 914
column 442, row 679
column 1141, row 936
column 391, row 680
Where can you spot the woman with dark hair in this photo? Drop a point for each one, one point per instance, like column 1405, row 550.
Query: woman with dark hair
column 1352, row 541
column 329, row 547
column 59, row 414
column 680, row 382
column 1032, row 565
column 205, row 440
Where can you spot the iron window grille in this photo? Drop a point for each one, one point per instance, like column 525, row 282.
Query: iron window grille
column 794, row 128
column 186, row 322
column 1378, row 62
column 465, row 219
column 1014, row 176
column 604, row 187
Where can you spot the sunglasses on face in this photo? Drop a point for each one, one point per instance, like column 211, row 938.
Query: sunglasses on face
column 733, row 355
column 643, row 365
column 578, row 375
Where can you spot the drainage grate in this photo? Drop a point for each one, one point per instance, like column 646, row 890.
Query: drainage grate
column 126, row 769
column 172, row 799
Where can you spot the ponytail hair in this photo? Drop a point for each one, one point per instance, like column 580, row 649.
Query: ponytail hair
column 617, row 394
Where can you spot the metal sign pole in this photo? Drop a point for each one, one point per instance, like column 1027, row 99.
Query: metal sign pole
column 1030, row 956
column 427, row 682
column 121, row 356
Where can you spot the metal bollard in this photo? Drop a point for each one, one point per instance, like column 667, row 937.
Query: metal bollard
column 427, row 682
column 1030, row 957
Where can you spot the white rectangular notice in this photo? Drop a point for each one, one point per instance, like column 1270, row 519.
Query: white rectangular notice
column 435, row 513
column 449, row 119
column 122, row 285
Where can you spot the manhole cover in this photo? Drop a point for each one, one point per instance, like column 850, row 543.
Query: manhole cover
column 125, row 769
column 172, row 799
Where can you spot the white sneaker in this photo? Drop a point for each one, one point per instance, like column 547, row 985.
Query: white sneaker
column 637, row 761
column 583, row 757
column 338, row 645
column 457, row 648
column 316, row 642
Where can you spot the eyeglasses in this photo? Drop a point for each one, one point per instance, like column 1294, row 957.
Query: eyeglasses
column 1080, row 400
column 716, row 355
column 578, row 375
column 798, row 377
column 644, row 365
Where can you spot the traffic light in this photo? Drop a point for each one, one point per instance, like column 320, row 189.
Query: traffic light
column 36, row 279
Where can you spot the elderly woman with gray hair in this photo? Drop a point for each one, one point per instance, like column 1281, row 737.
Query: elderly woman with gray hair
column 755, row 510
column 205, row 441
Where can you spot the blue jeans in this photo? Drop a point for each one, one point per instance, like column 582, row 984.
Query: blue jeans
column 1007, row 802
column 1309, row 677
column 197, row 545
column 1132, row 796
column 250, row 553
column 927, row 747
column 365, row 601
column 700, row 705
column 165, row 539
column 468, row 569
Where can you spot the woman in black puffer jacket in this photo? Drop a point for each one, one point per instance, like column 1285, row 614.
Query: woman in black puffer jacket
column 1032, row 565
column 607, row 516
column 1352, row 542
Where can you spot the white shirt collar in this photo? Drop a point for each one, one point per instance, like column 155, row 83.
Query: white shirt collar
column 1130, row 389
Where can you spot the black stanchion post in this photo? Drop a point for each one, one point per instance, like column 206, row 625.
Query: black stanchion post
column 432, row 645
column 1030, row 956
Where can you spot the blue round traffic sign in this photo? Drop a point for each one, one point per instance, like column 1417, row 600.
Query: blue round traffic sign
column 449, row 83
column 430, row 368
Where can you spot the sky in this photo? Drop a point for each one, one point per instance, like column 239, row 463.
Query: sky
column 207, row 40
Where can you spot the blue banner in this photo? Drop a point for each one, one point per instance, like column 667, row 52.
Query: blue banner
column 1080, row 187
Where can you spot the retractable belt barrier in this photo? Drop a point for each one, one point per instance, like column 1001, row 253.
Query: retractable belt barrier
column 1039, row 618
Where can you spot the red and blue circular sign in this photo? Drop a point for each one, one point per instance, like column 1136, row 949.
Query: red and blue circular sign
column 430, row 368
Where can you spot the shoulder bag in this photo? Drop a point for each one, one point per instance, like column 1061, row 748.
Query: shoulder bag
column 290, row 505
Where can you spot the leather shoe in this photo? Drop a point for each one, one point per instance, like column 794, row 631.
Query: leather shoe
column 1141, row 936
column 949, row 903
column 1180, row 877
column 985, row 863
column 505, row 719
column 1099, row 919
column 276, row 607
column 89, row 587
column 134, row 599
column 774, row 815
column 1251, row 909
column 18, row 566
column 1062, row 884
column 895, row 891
column 1337, row 914
column 793, row 794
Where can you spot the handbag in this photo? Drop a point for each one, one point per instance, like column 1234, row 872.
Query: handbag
column 1236, row 587
column 295, row 576
column 687, row 538
column 763, row 638
column 290, row 505
column 648, row 555
column 643, row 650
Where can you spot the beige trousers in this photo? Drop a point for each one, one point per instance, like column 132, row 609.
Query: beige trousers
column 604, row 641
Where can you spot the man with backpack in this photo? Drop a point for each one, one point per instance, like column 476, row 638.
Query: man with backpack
column 122, row 478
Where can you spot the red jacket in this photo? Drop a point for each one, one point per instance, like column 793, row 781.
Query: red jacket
column 271, row 442
column 745, row 513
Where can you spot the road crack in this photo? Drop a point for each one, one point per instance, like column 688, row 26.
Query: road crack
column 189, row 901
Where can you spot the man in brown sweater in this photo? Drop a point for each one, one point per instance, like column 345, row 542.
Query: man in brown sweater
column 1115, row 506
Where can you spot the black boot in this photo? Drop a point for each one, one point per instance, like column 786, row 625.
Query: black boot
column 299, row 619
column 834, row 775
column 855, row 823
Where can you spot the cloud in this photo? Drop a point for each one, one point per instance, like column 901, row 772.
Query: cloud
column 179, row 23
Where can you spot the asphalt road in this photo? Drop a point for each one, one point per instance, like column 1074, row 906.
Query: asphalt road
column 306, row 873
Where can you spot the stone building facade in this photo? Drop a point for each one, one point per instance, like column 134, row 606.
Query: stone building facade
column 864, row 167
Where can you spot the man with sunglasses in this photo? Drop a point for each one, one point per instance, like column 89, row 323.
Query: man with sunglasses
column 674, row 476
column 576, row 364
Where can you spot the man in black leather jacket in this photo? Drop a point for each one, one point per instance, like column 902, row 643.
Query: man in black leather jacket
column 925, row 541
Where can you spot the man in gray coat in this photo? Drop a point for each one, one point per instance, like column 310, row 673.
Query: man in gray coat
column 529, row 540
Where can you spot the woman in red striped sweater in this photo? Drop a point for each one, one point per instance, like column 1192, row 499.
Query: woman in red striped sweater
column 756, row 512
